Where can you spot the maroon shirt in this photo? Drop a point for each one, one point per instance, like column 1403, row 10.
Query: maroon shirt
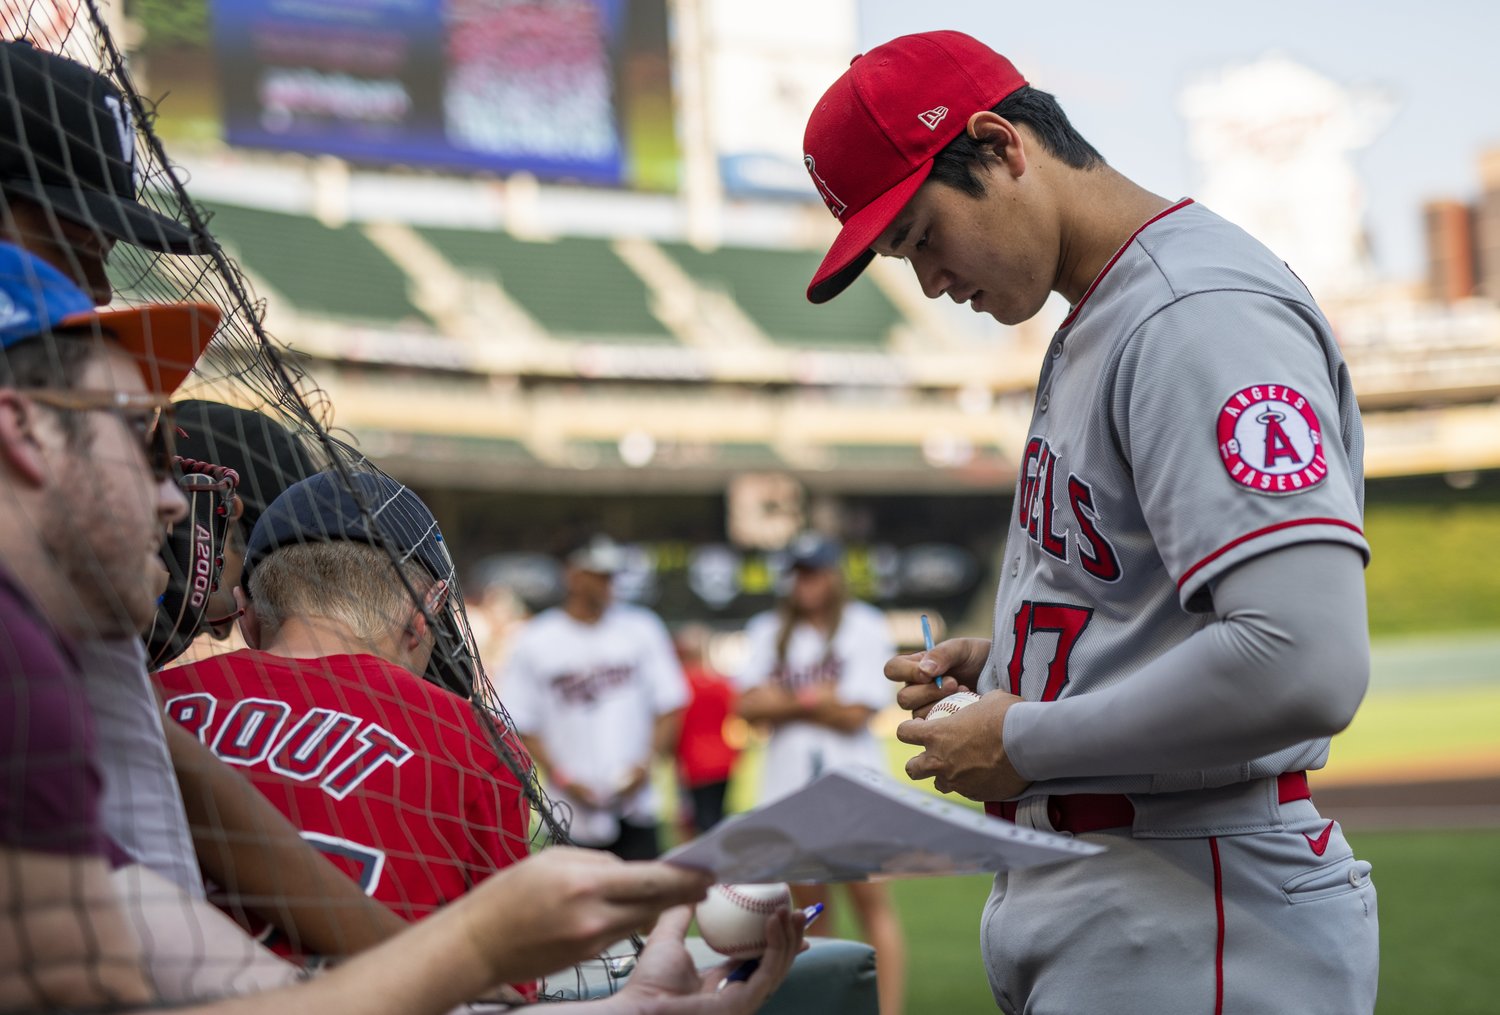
column 49, row 779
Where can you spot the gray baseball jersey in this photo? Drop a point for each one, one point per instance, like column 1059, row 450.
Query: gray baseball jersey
column 1193, row 412
column 141, row 806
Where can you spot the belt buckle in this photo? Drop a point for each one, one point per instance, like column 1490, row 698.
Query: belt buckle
column 1034, row 812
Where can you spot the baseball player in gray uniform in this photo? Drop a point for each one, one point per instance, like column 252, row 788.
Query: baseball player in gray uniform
column 1180, row 623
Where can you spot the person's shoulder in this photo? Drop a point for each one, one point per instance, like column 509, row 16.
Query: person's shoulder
column 860, row 612
column 1196, row 252
column 236, row 665
column 762, row 623
column 541, row 625
column 633, row 615
column 864, row 621
column 363, row 670
column 29, row 644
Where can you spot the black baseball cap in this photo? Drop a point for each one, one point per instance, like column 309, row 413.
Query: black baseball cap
column 325, row 508
column 268, row 457
column 67, row 141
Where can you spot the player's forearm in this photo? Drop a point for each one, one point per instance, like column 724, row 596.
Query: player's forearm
column 766, row 704
column 249, row 848
column 665, row 733
column 839, row 717
column 430, row 971
column 1286, row 662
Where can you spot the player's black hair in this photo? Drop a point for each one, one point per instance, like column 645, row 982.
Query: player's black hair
column 955, row 164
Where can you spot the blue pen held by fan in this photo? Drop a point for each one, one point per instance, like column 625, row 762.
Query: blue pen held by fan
column 927, row 640
column 744, row 970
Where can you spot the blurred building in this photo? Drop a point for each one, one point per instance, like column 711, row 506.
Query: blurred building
column 1451, row 253
column 1487, row 224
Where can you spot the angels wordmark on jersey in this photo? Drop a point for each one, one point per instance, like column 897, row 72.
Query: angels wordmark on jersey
column 1270, row 440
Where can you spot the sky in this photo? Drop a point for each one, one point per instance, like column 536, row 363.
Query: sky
column 1117, row 69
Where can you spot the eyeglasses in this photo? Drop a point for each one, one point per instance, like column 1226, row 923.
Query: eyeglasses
column 148, row 414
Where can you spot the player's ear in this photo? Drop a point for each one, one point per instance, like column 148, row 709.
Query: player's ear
column 414, row 637
column 249, row 622
column 436, row 596
column 20, row 448
column 1002, row 137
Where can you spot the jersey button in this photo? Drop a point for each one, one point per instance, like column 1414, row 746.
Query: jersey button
column 1043, row 405
column 1056, row 349
column 1015, row 567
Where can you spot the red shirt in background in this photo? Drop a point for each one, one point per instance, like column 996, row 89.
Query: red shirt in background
column 703, row 755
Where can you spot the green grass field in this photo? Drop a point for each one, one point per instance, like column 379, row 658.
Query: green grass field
column 1432, row 567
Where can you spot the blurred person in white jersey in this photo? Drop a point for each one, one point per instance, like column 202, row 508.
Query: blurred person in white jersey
column 814, row 674
column 596, row 692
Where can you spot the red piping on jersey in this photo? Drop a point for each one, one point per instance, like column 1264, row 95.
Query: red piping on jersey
column 1118, row 254
column 1261, row 532
column 1213, row 847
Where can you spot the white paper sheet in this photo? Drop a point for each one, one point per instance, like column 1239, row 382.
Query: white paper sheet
column 856, row 824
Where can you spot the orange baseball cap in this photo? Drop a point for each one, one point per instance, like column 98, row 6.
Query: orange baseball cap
column 166, row 339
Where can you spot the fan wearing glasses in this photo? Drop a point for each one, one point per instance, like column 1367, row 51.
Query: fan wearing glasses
column 87, row 453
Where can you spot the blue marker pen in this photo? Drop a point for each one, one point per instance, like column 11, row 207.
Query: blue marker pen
column 927, row 640
column 744, row 970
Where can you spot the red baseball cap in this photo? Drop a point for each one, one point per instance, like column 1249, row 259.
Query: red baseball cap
column 871, row 139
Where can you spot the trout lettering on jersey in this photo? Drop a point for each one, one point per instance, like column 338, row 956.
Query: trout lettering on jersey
column 586, row 688
column 251, row 734
column 1041, row 488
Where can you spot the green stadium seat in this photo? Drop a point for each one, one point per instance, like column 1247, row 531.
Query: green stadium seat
column 575, row 287
column 878, row 456
column 334, row 273
column 769, row 285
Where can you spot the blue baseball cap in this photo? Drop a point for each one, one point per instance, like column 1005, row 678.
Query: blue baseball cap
column 325, row 508
column 166, row 339
column 814, row 551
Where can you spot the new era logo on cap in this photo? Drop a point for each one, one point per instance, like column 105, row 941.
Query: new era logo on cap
column 871, row 139
column 933, row 116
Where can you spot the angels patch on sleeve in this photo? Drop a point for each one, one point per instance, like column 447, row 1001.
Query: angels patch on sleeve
column 1270, row 440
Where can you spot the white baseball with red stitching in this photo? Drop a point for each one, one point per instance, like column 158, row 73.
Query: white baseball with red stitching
column 952, row 703
column 732, row 919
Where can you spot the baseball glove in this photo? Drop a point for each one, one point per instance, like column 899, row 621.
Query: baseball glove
column 194, row 557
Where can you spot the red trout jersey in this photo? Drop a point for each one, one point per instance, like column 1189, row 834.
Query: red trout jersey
column 390, row 776
column 1193, row 411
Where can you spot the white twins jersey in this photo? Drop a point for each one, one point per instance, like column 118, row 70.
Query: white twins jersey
column 1193, row 412
column 591, row 693
column 855, row 668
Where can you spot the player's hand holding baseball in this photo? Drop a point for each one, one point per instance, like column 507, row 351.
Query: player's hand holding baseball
column 563, row 905
column 957, row 660
column 667, row 982
column 965, row 752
